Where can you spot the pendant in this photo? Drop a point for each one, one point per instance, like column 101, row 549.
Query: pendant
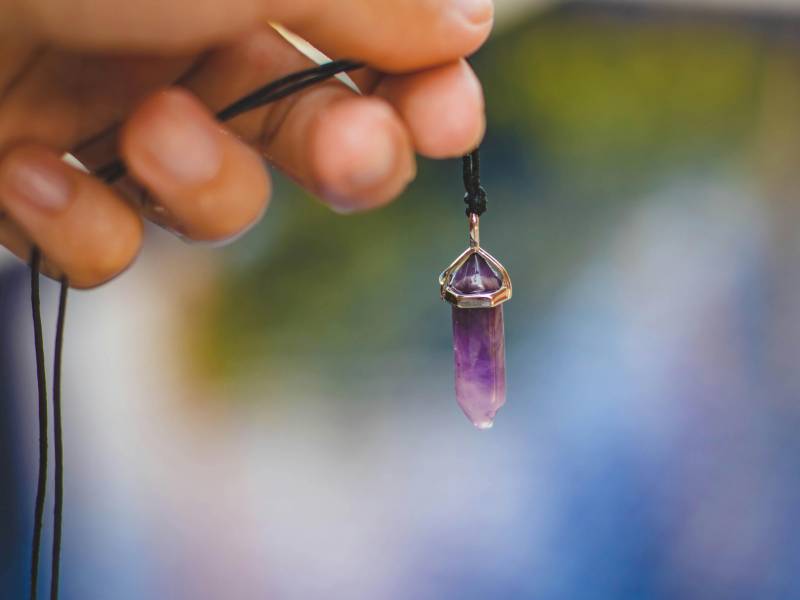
column 476, row 284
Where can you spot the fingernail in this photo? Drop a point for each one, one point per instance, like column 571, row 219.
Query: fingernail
column 37, row 180
column 376, row 164
column 477, row 12
column 184, row 142
column 337, row 203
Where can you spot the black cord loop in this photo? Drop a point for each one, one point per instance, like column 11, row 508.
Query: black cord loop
column 475, row 198
column 272, row 92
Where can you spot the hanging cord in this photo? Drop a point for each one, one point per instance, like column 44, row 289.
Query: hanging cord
column 58, row 446
column 272, row 92
column 475, row 198
column 41, row 382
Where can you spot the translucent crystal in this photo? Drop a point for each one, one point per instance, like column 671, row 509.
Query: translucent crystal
column 479, row 345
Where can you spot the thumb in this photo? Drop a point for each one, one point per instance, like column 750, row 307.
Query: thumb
column 393, row 35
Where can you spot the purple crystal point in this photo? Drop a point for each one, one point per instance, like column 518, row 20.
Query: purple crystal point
column 475, row 276
column 479, row 345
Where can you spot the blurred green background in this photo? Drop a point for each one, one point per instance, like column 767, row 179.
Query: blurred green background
column 589, row 110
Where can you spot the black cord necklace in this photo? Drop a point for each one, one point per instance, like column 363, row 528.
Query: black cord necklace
column 477, row 285
column 474, row 281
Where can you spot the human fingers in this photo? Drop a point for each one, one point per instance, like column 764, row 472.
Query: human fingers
column 82, row 227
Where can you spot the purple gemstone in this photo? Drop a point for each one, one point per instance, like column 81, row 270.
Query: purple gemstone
column 479, row 345
column 476, row 276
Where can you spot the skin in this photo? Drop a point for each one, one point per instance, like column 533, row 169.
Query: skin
column 141, row 80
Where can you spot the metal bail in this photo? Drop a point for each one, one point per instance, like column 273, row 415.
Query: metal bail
column 474, row 231
column 474, row 300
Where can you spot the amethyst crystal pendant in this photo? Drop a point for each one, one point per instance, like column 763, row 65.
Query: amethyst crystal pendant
column 476, row 284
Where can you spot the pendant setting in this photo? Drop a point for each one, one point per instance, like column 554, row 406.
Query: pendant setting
column 476, row 285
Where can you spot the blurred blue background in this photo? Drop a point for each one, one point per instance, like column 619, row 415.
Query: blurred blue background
column 276, row 419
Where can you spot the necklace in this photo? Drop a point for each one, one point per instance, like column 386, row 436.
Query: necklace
column 477, row 285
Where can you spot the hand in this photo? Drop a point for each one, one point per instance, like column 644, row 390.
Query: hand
column 142, row 79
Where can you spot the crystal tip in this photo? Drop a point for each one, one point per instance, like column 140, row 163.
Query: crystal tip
column 484, row 424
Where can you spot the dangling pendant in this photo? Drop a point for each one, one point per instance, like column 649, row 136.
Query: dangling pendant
column 476, row 284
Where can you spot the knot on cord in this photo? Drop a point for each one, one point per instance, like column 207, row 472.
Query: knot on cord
column 475, row 198
column 475, row 201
